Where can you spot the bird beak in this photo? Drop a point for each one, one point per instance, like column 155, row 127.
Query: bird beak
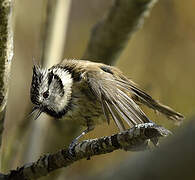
column 38, row 114
column 34, row 109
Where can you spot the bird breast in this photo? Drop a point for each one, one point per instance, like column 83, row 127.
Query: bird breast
column 86, row 109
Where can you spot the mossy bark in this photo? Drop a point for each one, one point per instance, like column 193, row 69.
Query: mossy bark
column 6, row 55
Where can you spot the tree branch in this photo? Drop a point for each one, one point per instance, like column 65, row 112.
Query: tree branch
column 6, row 54
column 109, row 36
column 173, row 160
column 135, row 138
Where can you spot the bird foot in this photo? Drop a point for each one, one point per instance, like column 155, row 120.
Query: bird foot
column 71, row 148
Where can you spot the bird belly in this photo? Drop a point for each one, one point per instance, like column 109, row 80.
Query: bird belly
column 86, row 109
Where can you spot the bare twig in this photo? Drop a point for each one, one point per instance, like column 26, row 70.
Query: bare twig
column 134, row 139
column 110, row 35
column 6, row 54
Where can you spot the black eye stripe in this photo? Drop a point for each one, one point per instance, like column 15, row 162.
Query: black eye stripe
column 50, row 77
column 60, row 83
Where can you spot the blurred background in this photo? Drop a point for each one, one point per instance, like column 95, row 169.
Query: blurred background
column 160, row 57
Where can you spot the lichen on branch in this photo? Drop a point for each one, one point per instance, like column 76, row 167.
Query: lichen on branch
column 134, row 139
column 6, row 55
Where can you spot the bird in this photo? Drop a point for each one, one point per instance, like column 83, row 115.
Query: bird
column 91, row 93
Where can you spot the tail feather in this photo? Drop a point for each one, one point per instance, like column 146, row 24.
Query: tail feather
column 167, row 111
column 142, row 97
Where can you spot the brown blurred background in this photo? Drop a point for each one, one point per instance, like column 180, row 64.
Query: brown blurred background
column 160, row 57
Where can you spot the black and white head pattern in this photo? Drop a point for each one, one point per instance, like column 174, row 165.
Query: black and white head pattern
column 51, row 90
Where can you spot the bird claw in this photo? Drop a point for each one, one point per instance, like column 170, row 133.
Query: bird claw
column 71, row 148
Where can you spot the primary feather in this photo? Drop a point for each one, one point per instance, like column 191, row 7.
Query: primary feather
column 119, row 97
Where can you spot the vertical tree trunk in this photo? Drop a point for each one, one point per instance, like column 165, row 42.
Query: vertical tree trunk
column 6, row 54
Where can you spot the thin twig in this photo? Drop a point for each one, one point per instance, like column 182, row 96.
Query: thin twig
column 109, row 36
column 135, row 138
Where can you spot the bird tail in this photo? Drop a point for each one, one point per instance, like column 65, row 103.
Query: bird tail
column 147, row 100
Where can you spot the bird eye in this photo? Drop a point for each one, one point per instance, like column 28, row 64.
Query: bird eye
column 46, row 94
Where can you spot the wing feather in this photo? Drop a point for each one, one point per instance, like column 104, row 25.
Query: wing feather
column 134, row 108
column 116, row 118
column 115, row 100
column 125, row 109
column 146, row 99
column 125, row 115
column 105, row 110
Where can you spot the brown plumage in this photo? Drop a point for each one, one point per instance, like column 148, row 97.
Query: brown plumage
column 85, row 91
column 117, row 94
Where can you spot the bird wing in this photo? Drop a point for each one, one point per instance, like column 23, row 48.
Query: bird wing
column 142, row 97
column 118, row 95
column 116, row 101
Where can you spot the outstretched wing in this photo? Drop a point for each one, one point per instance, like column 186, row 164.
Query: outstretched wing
column 142, row 97
column 115, row 99
column 117, row 94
